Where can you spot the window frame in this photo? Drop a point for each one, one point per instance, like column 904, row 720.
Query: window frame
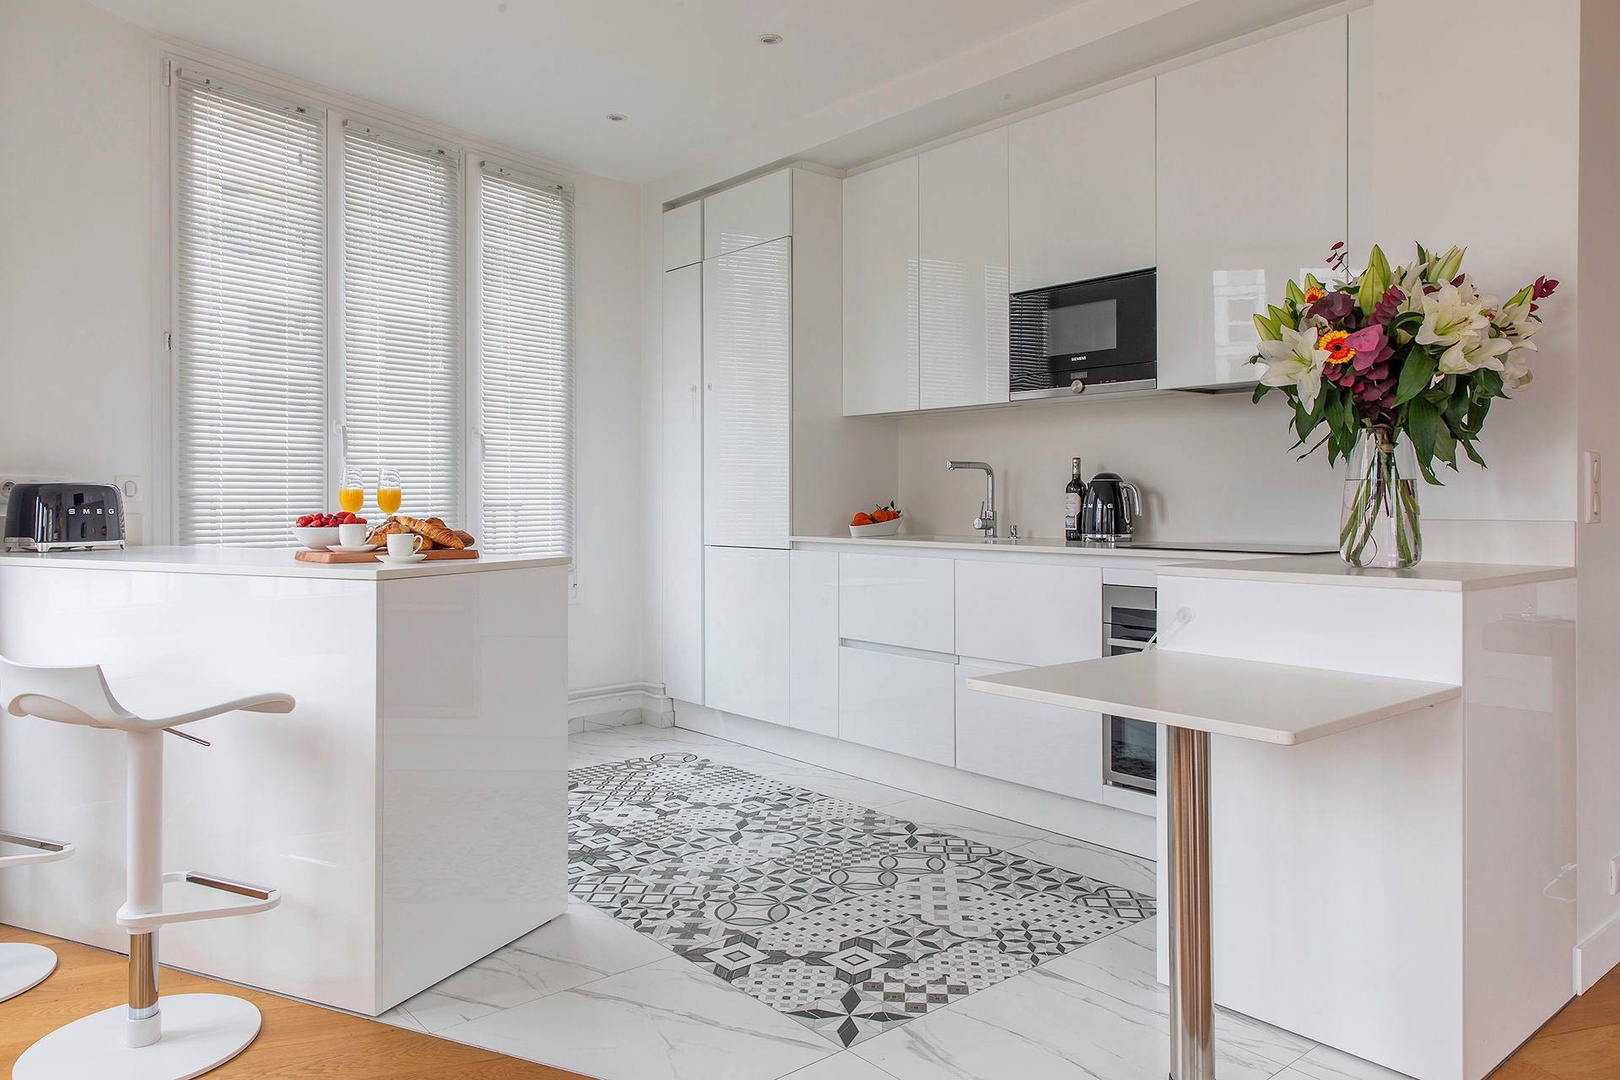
column 471, row 154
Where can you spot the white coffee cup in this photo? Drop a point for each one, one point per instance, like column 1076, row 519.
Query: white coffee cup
column 403, row 545
column 353, row 535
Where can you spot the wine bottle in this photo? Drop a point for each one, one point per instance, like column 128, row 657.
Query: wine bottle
column 1073, row 496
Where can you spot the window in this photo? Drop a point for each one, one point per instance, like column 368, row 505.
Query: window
column 352, row 294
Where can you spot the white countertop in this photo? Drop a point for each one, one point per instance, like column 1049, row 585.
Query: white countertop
column 1035, row 545
column 263, row 562
column 1244, row 699
column 1332, row 570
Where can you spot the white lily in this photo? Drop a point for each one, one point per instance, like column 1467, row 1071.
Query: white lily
column 1450, row 315
column 1295, row 361
column 1516, row 367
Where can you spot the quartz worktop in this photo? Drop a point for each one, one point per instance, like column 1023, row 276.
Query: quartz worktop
column 1332, row 570
column 1042, row 545
column 262, row 562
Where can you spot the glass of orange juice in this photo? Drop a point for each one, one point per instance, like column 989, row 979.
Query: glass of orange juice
column 388, row 491
column 351, row 491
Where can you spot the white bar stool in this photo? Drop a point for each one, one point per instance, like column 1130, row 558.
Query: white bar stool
column 182, row 1035
column 23, row 966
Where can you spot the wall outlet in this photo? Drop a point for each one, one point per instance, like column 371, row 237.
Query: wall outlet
column 1591, row 487
column 1614, row 876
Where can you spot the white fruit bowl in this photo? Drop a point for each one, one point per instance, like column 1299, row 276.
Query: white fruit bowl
column 316, row 539
column 877, row 528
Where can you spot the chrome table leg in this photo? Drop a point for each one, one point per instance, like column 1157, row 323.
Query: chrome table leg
column 1192, row 1010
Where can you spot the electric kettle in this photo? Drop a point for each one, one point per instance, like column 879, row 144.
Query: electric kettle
column 1110, row 509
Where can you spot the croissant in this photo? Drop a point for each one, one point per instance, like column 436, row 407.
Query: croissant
column 433, row 529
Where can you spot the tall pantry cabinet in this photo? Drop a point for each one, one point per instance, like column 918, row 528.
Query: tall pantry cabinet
column 755, row 446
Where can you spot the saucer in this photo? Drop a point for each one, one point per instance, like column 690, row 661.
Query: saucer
column 353, row 549
column 401, row 560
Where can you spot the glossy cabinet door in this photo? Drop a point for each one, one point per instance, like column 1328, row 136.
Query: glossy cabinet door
column 746, row 632
column 813, row 634
column 962, row 272
column 1252, row 192
column 880, row 290
column 683, row 235
column 1025, row 742
column 1034, row 614
column 1082, row 198
column 903, row 704
column 898, row 600
column 748, row 214
column 748, row 395
column 682, row 533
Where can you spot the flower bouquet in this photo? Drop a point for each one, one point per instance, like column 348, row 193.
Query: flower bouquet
column 1400, row 366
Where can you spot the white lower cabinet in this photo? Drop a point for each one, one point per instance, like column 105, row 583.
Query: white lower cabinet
column 904, row 600
column 813, row 634
column 746, row 632
column 897, row 702
column 1028, row 613
column 1040, row 746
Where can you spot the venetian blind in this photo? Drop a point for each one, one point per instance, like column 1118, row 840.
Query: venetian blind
column 250, row 326
column 401, row 361
column 525, row 333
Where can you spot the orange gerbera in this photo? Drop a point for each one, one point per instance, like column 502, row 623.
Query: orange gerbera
column 1333, row 343
column 1314, row 293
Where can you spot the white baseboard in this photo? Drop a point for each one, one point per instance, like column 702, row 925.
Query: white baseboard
column 614, row 706
column 1597, row 955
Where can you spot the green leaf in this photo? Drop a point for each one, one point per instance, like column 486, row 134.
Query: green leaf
column 1473, row 455
column 1423, row 425
column 1445, row 447
column 1260, row 391
column 1416, row 374
column 1490, row 384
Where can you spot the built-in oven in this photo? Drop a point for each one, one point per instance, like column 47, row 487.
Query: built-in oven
column 1098, row 336
column 1130, row 747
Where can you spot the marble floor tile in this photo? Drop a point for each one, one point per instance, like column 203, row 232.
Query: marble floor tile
column 1326, row 1063
column 843, row 1066
column 580, row 946
column 969, row 824
column 399, row 1017
column 1093, row 860
column 1097, row 1012
column 664, row 1021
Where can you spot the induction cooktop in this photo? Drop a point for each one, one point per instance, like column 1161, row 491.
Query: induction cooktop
column 1234, row 547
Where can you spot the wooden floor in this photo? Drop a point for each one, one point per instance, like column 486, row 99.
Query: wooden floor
column 297, row 1040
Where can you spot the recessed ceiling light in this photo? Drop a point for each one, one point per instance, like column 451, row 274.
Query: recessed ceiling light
column 770, row 39
column 617, row 117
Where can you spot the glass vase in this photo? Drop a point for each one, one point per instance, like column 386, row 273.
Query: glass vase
column 1378, row 520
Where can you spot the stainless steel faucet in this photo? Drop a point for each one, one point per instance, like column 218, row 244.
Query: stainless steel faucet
column 986, row 521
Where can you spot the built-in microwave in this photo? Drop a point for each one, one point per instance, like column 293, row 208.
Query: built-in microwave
column 1098, row 336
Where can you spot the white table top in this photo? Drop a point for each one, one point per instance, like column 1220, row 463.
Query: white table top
column 1332, row 570
column 1243, row 699
column 262, row 562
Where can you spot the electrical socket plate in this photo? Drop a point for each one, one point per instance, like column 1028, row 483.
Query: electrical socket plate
column 1614, row 876
column 1591, row 487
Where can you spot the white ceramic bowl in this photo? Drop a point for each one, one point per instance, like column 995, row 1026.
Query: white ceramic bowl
column 877, row 528
column 316, row 539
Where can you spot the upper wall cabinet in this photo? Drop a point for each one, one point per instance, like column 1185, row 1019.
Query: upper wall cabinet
column 748, row 214
column 880, row 290
column 1082, row 190
column 1252, row 192
column 962, row 272
column 683, row 235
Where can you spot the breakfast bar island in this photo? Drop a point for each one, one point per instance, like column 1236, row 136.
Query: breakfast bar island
column 411, row 809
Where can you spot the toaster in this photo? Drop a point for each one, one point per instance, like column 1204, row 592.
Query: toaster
column 64, row 517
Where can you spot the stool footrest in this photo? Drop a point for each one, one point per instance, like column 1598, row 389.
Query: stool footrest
column 44, row 851
column 255, row 898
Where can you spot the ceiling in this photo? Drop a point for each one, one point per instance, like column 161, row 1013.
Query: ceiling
column 542, row 75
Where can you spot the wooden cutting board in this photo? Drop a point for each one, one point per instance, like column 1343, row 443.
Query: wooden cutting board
column 329, row 557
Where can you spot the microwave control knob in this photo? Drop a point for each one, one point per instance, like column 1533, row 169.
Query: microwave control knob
column 1078, row 387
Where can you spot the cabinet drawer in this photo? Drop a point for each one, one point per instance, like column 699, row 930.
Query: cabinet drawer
column 897, row 600
column 1040, row 746
column 1024, row 613
column 903, row 704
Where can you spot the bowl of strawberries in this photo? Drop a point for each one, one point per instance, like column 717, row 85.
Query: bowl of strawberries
column 320, row 531
column 882, row 521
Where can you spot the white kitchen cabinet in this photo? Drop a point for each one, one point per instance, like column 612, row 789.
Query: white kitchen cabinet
column 747, row 635
column 813, row 636
column 901, row 600
column 682, row 532
column 1082, row 200
column 748, row 396
column 880, row 290
column 903, row 704
column 1252, row 192
column 1025, row 742
column 1027, row 613
column 748, row 214
column 683, row 235
column 962, row 272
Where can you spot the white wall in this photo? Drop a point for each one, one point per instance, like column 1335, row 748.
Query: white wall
column 76, row 298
